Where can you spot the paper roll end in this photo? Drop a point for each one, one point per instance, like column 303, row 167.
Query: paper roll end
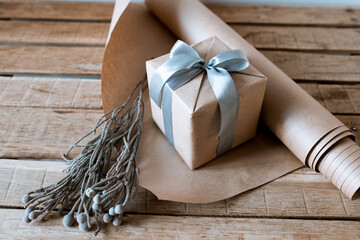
column 356, row 194
column 341, row 165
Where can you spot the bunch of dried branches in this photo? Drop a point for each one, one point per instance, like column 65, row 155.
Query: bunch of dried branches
column 93, row 186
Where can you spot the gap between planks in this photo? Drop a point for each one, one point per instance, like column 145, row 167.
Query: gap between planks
column 301, row 194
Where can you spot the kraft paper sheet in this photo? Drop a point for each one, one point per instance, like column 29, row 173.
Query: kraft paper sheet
column 294, row 126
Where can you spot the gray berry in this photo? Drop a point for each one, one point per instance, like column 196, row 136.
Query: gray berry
column 96, row 207
column 117, row 221
column 107, row 218
column 33, row 215
column 90, row 192
column 97, row 198
column 29, row 209
column 68, row 220
column 26, row 219
column 112, row 211
column 81, row 218
column 26, row 199
column 83, row 227
column 119, row 209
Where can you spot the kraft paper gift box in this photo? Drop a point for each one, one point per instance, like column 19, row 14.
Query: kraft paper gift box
column 195, row 110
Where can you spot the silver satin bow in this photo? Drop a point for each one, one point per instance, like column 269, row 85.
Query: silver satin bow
column 184, row 64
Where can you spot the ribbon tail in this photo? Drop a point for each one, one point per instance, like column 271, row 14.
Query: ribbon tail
column 176, row 81
column 228, row 98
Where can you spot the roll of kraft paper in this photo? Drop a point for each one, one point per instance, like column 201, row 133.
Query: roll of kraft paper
column 312, row 133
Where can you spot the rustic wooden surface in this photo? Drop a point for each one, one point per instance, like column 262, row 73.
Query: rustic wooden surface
column 50, row 63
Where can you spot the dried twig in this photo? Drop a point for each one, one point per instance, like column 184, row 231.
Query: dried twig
column 92, row 186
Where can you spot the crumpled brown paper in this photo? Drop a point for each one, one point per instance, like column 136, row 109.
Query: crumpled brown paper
column 307, row 131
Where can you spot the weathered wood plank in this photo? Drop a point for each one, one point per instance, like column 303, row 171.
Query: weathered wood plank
column 90, row 11
column 51, row 60
column 262, row 37
column 231, row 13
column 42, row 133
column 301, row 38
column 354, row 96
column 47, row 132
column 52, row 92
column 170, row 227
column 336, row 98
column 52, row 32
column 303, row 193
column 317, row 66
column 287, row 15
column 87, row 61
column 85, row 93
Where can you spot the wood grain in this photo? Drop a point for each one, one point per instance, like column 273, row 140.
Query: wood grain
column 301, row 38
column 231, row 13
column 302, row 193
column 42, row 132
column 53, row 32
column 90, row 11
column 42, row 60
column 171, row 227
column 287, row 15
column 354, row 96
column 86, row 61
column 262, row 37
column 336, row 98
column 317, row 66
column 52, row 92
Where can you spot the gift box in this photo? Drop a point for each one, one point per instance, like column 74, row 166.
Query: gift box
column 195, row 116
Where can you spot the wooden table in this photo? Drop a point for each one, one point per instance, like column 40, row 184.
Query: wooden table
column 50, row 63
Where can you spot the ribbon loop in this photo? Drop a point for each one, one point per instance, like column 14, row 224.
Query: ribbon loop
column 184, row 64
column 233, row 60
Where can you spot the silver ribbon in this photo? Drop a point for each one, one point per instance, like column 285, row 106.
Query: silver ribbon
column 184, row 64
